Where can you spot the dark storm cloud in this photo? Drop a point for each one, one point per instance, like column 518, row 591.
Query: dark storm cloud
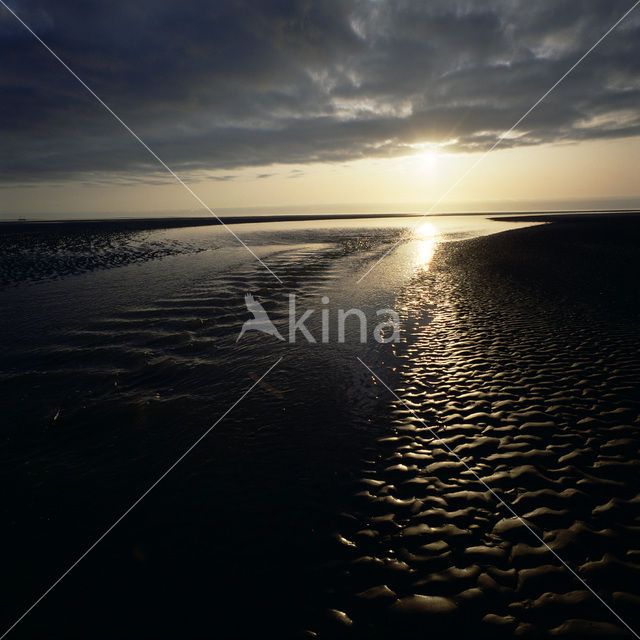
column 220, row 85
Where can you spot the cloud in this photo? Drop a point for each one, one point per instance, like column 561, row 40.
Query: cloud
column 229, row 84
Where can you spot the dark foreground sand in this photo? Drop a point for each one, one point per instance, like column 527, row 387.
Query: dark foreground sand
column 322, row 507
column 530, row 373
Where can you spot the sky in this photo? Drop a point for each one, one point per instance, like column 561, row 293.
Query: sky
column 335, row 105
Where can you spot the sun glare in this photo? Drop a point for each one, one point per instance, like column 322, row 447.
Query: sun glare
column 427, row 159
column 425, row 231
column 427, row 239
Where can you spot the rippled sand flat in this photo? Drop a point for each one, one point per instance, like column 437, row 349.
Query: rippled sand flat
column 525, row 381
column 322, row 506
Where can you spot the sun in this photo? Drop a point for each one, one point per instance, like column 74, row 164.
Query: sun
column 427, row 160
column 426, row 157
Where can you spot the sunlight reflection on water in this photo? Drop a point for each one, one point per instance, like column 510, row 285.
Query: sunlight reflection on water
column 427, row 237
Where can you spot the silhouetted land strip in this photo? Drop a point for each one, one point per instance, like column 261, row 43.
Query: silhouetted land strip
column 590, row 217
column 141, row 224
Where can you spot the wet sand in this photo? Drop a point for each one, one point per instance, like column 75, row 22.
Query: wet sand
column 530, row 373
column 322, row 507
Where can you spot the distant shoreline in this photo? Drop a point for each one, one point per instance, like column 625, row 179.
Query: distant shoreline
column 173, row 222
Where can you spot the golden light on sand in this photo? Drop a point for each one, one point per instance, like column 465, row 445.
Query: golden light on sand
column 427, row 237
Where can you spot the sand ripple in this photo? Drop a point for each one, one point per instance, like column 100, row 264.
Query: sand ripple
column 541, row 403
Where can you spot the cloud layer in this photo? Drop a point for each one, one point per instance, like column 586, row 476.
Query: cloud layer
column 220, row 85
